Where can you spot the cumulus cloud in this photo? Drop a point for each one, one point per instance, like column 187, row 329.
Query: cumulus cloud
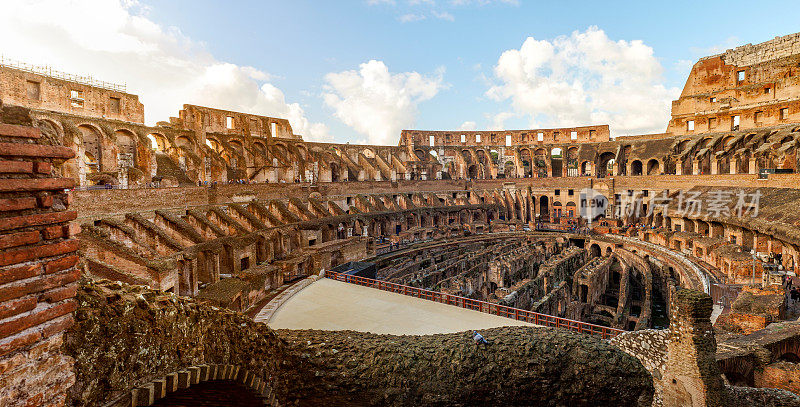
column 468, row 126
column 114, row 40
column 418, row 10
column 584, row 78
column 376, row 102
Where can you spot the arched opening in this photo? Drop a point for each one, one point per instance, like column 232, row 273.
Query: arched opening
column 605, row 165
column 525, row 158
column 472, row 171
column 92, row 142
column 636, row 167
column 594, row 249
column 544, row 208
column 556, row 160
column 653, row 167
column 158, row 142
column 510, row 170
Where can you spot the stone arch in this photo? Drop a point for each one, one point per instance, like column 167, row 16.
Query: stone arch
column 653, row 167
column 158, row 142
column 605, row 164
column 527, row 162
column 636, row 167
column 557, row 161
column 92, row 143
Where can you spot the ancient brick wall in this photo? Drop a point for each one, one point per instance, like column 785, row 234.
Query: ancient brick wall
column 37, row 270
column 750, row 54
column 25, row 87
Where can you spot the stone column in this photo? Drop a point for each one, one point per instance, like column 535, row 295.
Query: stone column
column 692, row 376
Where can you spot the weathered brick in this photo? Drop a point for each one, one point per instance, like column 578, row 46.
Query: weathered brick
column 18, row 341
column 53, row 232
column 12, row 256
column 58, row 294
column 60, row 264
column 20, row 289
column 36, row 317
column 36, row 184
column 16, row 167
column 17, row 222
column 15, row 307
column 10, row 274
column 45, row 201
column 16, row 204
column 35, row 150
column 41, row 167
column 10, row 130
column 58, row 325
column 18, row 239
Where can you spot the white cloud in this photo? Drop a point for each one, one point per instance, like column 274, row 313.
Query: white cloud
column 410, row 11
column 468, row 126
column 499, row 120
column 113, row 40
column 411, row 17
column 443, row 15
column 376, row 102
column 483, row 2
column 585, row 78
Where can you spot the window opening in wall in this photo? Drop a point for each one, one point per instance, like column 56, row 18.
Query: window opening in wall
column 757, row 116
column 784, row 113
column 431, row 140
column 312, row 242
column 114, row 105
column 539, row 136
column 254, row 126
column 274, row 129
column 76, row 98
column 229, row 122
column 477, row 138
column 558, row 192
column 712, row 122
column 571, row 192
column 592, row 134
column 463, row 138
column 34, row 90
column 739, row 76
column 454, row 195
column 245, row 263
column 735, row 122
column 573, row 135
column 712, row 100
column 690, row 125
column 508, row 140
column 555, row 135
column 645, row 193
column 349, row 200
column 767, row 91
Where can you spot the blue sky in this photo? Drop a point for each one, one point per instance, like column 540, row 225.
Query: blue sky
column 440, row 56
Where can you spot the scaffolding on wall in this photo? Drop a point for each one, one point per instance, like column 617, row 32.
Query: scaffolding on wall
column 48, row 71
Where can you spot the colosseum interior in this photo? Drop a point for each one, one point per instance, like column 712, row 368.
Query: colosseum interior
column 155, row 265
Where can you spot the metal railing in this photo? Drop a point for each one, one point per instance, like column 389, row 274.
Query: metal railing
column 52, row 73
column 481, row 306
